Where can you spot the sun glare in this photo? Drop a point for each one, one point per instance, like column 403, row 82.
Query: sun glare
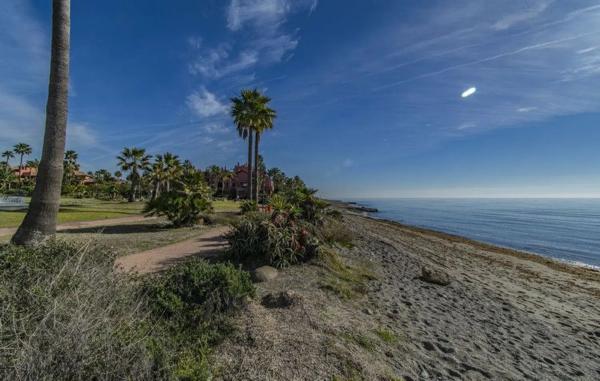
column 470, row 91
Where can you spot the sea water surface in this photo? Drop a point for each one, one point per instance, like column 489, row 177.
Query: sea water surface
column 564, row 229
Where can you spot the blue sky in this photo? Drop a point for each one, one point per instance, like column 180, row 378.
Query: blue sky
column 368, row 92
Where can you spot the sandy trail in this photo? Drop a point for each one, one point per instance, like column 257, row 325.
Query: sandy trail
column 207, row 244
column 88, row 224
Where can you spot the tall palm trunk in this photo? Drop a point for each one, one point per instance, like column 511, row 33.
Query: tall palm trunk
column 41, row 218
column 250, row 165
column 256, row 182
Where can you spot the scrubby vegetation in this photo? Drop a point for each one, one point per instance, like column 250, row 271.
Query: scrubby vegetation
column 288, row 235
column 65, row 314
column 248, row 206
column 186, row 203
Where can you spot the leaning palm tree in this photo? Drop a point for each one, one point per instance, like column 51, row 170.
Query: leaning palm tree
column 22, row 149
column 135, row 161
column 7, row 155
column 40, row 220
column 264, row 121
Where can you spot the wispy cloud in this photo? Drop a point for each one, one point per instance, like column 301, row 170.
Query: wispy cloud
column 530, row 11
column 205, row 104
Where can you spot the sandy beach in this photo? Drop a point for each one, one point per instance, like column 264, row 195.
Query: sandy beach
column 504, row 315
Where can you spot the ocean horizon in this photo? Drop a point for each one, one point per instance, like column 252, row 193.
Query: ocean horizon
column 567, row 229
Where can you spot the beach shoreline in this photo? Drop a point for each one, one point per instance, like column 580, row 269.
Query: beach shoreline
column 556, row 263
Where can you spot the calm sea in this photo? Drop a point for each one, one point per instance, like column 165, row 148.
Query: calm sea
column 566, row 229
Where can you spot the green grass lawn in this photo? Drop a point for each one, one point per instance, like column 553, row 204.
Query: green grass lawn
column 72, row 210
column 226, row 206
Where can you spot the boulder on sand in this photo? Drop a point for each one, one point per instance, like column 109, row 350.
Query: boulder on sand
column 435, row 276
column 264, row 274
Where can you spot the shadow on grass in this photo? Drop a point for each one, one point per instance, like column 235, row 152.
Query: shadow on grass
column 119, row 229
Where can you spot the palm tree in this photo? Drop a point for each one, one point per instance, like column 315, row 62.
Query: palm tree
column 40, row 220
column 135, row 161
column 226, row 178
column 241, row 112
column 35, row 163
column 8, row 155
column 173, row 169
column 157, row 175
column 22, row 149
column 70, row 166
column 264, row 121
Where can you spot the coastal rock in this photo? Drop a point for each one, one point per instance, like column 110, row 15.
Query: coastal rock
column 281, row 299
column 265, row 274
column 435, row 276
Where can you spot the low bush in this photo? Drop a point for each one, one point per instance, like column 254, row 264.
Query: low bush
column 185, row 205
column 278, row 241
column 248, row 206
column 192, row 303
column 196, row 292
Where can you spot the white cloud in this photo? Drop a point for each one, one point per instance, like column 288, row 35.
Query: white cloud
column 531, row 11
column 526, row 109
column 80, row 135
column 215, row 128
column 205, row 104
column 258, row 13
column 217, row 63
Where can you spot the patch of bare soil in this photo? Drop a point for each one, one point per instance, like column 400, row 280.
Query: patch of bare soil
column 439, row 308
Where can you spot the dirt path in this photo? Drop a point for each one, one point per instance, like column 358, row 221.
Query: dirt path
column 206, row 244
column 87, row 224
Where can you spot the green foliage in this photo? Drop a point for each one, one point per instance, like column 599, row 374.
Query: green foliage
column 195, row 292
column 279, row 241
column 191, row 303
column 186, row 203
column 248, row 206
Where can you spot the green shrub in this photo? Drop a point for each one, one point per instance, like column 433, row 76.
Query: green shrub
column 196, row 291
column 191, row 303
column 248, row 206
column 278, row 241
column 186, row 204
